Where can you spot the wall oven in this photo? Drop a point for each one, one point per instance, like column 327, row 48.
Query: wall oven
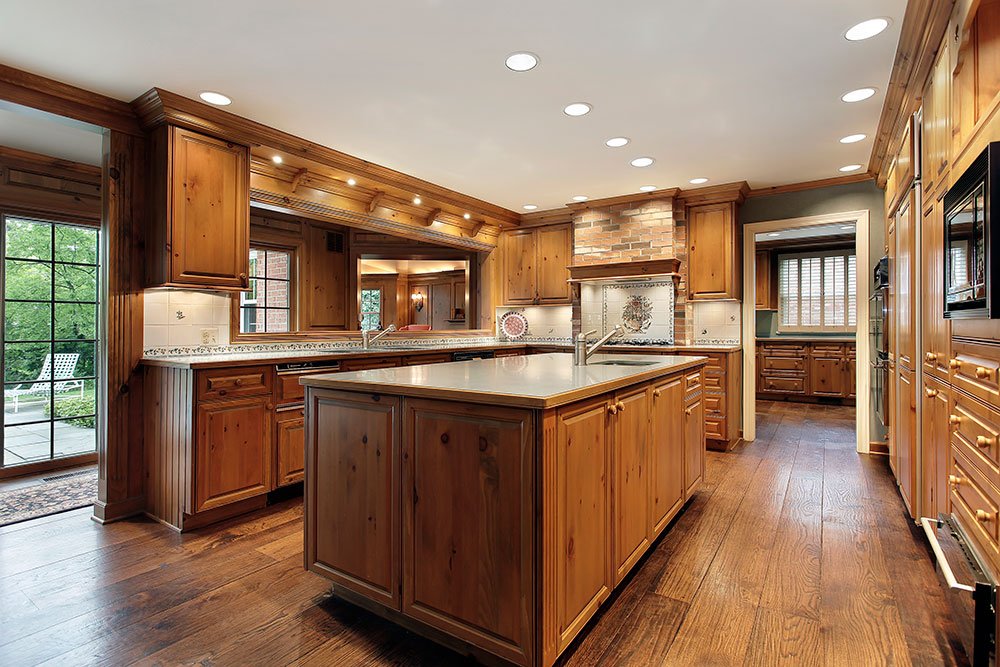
column 969, row 241
column 879, row 340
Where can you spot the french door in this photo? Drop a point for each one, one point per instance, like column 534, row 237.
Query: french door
column 50, row 308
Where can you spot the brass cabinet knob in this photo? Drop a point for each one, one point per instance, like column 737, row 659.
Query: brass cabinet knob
column 983, row 373
column 954, row 364
column 270, row 406
column 621, row 406
column 930, row 357
column 688, row 411
column 657, row 393
column 983, row 516
column 983, row 441
column 238, row 382
column 612, row 409
column 931, row 393
column 954, row 420
column 954, row 480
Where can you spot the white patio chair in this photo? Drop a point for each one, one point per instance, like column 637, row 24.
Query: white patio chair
column 65, row 364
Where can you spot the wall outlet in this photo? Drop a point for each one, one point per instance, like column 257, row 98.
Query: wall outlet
column 210, row 336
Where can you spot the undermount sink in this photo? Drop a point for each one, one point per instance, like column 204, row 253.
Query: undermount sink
column 623, row 362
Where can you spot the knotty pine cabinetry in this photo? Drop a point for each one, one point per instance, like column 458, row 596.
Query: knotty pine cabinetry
column 766, row 281
column 535, row 265
column 806, row 369
column 199, row 232
column 715, row 246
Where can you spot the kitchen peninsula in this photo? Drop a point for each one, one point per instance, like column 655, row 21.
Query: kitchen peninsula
column 493, row 505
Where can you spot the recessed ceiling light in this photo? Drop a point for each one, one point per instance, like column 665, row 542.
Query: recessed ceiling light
column 577, row 109
column 277, row 159
column 521, row 61
column 775, row 234
column 642, row 162
column 529, row 207
column 851, row 167
column 417, row 200
column 217, row 99
column 580, row 198
column 853, row 138
column 866, row 29
column 698, row 181
column 467, row 216
column 616, row 142
column 351, row 182
column 858, row 95
column 647, row 188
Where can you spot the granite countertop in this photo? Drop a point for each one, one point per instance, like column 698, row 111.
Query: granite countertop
column 535, row 381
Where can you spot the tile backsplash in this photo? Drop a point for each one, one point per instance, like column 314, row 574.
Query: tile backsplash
column 717, row 321
column 178, row 317
column 544, row 321
column 644, row 308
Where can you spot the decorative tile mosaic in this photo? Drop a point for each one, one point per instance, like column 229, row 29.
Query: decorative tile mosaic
column 645, row 309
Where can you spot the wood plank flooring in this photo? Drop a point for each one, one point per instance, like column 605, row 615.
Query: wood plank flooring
column 796, row 551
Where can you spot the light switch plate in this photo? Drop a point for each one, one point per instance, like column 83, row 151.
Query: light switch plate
column 210, row 336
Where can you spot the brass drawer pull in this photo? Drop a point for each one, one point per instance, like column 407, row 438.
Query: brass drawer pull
column 238, row 382
column 612, row 409
column 955, row 480
column 983, row 441
column 983, row 516
column 931, row 393
column 688, row 411
column 954, row 420
column 930, row 357
column 954, row 364
column 983, row 373
column 657, row 392
column 621, row 406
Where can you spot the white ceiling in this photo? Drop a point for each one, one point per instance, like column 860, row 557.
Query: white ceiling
column 817, row 231
column 716, row 88
column 39, row 132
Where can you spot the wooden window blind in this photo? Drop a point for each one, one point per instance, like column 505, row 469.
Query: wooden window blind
column 817, row 292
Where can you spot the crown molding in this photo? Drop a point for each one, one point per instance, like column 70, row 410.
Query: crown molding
column 811, row 185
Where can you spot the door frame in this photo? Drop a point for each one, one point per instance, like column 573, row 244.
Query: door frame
column 861, row 221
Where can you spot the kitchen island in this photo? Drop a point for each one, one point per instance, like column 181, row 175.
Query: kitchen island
column 493, row 505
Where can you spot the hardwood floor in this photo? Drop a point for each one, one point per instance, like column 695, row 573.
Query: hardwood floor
column 796, row 551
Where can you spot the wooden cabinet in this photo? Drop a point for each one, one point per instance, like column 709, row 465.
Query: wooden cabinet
column 232, row 451
column 935, row 444
column 535, row 265
column 935, row 137
column 324, row 269
column 368, row 363
column 364, row 503
column 200, row 222
column 715, row 245
column 827, row 371
column 907, row 295
column 936, row 330
column 694, row 447
column 906, row 436
column 629, row 482
column 766, row 282
column 790, row 369
column 668, row 449
column 289, row 446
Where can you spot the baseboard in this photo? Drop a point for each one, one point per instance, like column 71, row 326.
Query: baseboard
column 118, row 510
column 881, row 448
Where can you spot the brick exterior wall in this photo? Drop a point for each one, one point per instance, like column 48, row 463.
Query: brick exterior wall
column 634, row 231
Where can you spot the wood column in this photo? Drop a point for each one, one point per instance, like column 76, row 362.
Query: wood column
column 120, row 442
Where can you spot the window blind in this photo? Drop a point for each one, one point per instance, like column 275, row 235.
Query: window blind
column 817, row 291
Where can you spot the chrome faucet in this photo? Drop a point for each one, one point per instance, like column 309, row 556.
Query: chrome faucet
column 367, row 338
column 581, row 352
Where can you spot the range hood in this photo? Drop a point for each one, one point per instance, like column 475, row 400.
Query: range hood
column 626, row 271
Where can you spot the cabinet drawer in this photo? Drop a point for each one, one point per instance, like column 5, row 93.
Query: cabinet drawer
column 827, row 349
column 693, row 382
column 715, row 428
column 369, row 363
column 975, row 430
column 234, row 382
column 716, row 362
column 851, row 351
column 783, row 385
column 974, row 367
column 797, row 364
column 715, row 381
column 783, row 350
column 287, row 387
column 421, row 359
column 714, row 403
column 974, row 500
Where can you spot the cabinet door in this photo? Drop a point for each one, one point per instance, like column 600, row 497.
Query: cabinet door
column 851, row 374
column 827, row 376
column 935, row 433
column 666, row 457
column 936, row 339
column 762, row 279
column 325, row 285
column 519, row 284
column 209, row 211
column 694, row 445
column 352, row 452
column 582, row 542
column 289, row 446
column 906, row 294
column 232, row 452
column 469, row 521
column 554, row 254
column 713, row 252
column 906, row 434
column 630, row 483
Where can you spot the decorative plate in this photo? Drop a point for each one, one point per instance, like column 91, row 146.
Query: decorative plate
column 513, row 324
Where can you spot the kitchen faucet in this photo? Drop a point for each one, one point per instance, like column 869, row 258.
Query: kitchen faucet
column 581, row 352
column 367, row 338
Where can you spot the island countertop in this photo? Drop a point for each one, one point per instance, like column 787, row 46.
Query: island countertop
column 537, row 381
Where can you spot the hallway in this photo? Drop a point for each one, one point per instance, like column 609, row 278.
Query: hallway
column 797, row 550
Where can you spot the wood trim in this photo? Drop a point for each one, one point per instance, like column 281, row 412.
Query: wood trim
column 39, row 92
column 649, row 268
column 724, row 193
column 8, row 472
column 670, row 193
column 811, row 185
column 924, row 25
column 553, row 216
column 39, row 185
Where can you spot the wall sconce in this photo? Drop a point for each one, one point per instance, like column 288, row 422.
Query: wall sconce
column 418, row 301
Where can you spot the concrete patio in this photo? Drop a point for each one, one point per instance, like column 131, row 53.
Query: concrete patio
column 27, row 442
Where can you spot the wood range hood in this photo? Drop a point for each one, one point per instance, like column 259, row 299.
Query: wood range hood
column 626, row 271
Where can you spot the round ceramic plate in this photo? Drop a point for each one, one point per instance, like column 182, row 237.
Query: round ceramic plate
column 513, row 325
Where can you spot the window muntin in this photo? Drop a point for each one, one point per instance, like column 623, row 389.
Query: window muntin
column 371, row 309
column 817, row 292
column 267, row 306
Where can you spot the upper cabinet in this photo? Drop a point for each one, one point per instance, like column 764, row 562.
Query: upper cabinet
column 200, row 222
column 935, row 136
column 714, row 250
column 765, row 276
column 535, row 265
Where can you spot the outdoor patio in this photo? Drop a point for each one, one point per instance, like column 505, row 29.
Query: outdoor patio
column 28, row 442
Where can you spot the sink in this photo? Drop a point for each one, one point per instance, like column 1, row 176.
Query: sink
column 623, row 362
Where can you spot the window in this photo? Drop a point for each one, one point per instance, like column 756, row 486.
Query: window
column 371, row 309
column 817, row 291
column 267, row 306
column 50, row 334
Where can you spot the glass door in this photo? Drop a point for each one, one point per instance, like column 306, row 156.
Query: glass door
column 50, row 304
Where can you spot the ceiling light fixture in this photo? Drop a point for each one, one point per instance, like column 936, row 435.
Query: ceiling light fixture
column 858, row 95
column 866, row 29
column 522, row 61
column 352, row 182
column 217, row 99
column 851, row 167
column 417, row 200
column 642, row 162
column 647, row 188
column 529, row 207
column 277, row 159
column 577, row 109
column 853, row 138
column 467, row 216
column 580, row 198
column 616, row 142
column 698, row 181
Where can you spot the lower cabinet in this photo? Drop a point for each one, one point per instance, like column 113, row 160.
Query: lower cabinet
column 694, row 452
column 630, row 478
column 789, row 369
column 935, row 442
column 906, row 435
column 289, row 445
column 668, row 445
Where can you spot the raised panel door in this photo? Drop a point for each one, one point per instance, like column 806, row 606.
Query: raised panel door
column 630, row 479
column 906, row 436
column 712, row 252
column 934, row 442
column 232, row 452
column 906, row 293
column 827, row 376
column 326, row 281
column 555, row 249
column 694, row 445
column 936, row 338
column 762, row 280
column 520, row 271
column 666, row 456
column 209, row 242
column 289, row 446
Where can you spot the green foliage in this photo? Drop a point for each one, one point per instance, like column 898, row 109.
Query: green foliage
column 68, row 407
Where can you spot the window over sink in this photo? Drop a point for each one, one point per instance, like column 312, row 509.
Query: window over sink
column 817, row 292
column 267, row 306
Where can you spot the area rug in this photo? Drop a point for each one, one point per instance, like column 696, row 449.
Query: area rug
column 62, row 493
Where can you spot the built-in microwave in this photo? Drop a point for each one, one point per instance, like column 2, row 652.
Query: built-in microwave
column 969, row 246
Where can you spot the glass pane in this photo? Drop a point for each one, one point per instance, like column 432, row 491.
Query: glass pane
column 277, row 265
column 26, row 362
column 28, row 280
column 277, row 293
column 74, row 360
column 248, row 320
column 76, row 283
column 27, row 321
column 27, row 443
column 26, row 402
column 277, row 320
column 256, row 263
column 76, row 244
column 75, row 398
column 75, row 321
column 75, row 436
column 27, row 239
